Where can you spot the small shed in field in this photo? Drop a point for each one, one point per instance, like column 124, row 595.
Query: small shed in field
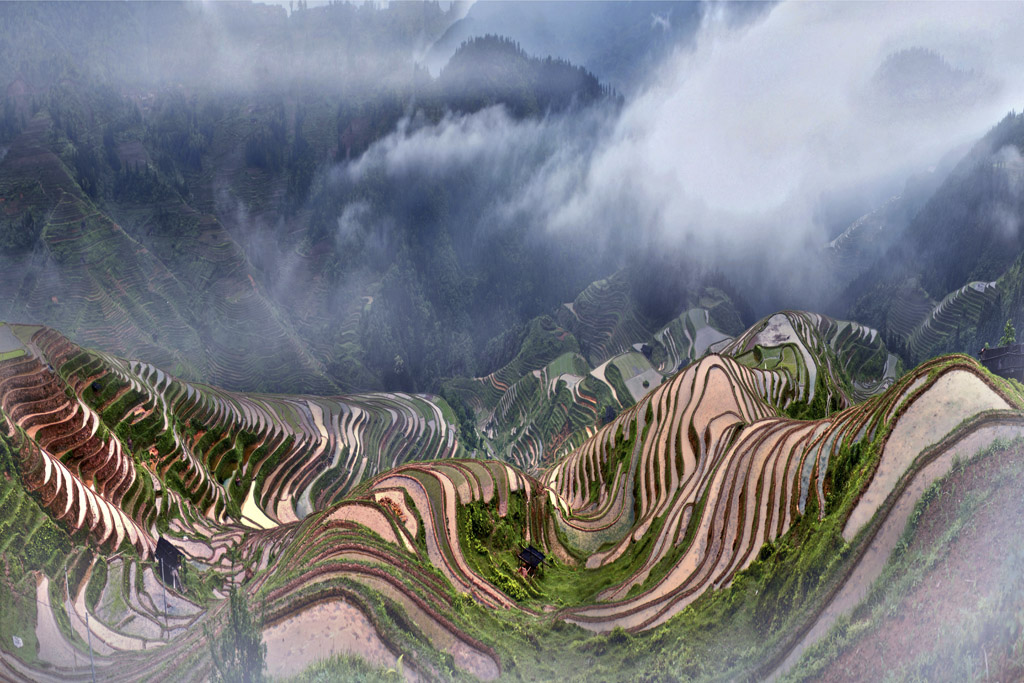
column 529, row 559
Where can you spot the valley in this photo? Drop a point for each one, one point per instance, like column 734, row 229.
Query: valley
column 367, row 341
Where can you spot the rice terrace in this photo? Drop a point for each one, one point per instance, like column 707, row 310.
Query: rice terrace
column 437, row 341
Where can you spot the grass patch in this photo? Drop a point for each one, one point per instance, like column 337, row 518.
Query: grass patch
column 347, row 668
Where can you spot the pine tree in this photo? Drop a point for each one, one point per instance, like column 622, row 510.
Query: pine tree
column 1009, row 334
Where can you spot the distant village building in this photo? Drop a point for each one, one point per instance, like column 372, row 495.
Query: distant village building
column 1005, row 361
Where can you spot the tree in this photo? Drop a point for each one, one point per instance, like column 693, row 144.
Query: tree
column 238, row 651
column 1009, row 334
column 234, row 554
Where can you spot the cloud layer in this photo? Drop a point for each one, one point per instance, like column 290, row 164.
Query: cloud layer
column 737, row 141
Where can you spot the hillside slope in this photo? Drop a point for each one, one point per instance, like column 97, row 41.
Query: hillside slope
column 949, row 281
column 219, row 211
column 699, row 511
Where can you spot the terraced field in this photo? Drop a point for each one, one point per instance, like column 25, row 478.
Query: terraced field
column 119, row 452
column 573, row 374
column 926, row 327
column 326, row 509
column 848, row 360
column 951, row 318
column 543, row 401
column 604, row 320
column 687, row 338
column 182, row 298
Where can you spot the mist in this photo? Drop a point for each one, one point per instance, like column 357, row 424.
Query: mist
column 336, row 158
column 734, row 147
column 365, row 201
column 223, row 47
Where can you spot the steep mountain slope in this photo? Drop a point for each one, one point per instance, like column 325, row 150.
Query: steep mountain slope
column 568, row 379
column 250, row 248
column 134, row 433
column 187, row 300
column 700, row 510
column 941, row 286
column 491, row 70
column 601, row 353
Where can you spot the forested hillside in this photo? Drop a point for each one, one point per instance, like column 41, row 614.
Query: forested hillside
column 282, row 267
column 951, row 279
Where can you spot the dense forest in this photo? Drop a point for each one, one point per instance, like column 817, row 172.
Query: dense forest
column 288, row 213
column 357, row 273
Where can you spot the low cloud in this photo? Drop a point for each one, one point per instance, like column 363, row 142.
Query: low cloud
column 730, row 151
column 504, row 173
column 1006, row 214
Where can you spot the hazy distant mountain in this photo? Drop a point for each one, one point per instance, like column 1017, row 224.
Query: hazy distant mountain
column 922, row 80
column 618, row 41
column 204, row 222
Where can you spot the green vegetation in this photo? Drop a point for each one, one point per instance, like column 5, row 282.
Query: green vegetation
column 465, row 417
column 821, row 405
column 614, row 377
column 29, row 541
column 237, row 650
column 17, row 609
column 200, row 585
column 346, row 668
column 784, row 357
column 726, row 633
column 96, row 583
column 1009, row 334
column 491, row 544
column 29, row 538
